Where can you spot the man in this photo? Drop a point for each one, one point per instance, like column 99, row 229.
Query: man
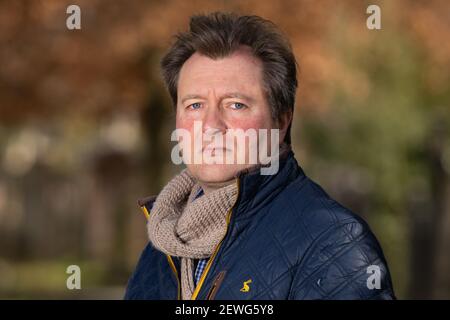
column 225, row 229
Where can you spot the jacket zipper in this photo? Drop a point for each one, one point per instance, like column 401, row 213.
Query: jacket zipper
column 174, row 269
column 216, row 284
column 210, row 261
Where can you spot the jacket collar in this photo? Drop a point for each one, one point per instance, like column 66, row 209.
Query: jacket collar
column 257, row 190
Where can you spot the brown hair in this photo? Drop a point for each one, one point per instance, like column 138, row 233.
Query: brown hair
column 218, row 35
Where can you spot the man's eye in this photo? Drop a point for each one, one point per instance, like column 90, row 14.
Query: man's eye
column 195, row 106
column 238, row 106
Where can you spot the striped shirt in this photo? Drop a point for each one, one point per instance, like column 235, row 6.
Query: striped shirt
column 199, row 270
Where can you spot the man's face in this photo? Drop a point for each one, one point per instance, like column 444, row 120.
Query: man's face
column 223, row 94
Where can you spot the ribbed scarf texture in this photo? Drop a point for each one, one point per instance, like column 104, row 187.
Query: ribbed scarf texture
column 191, row 229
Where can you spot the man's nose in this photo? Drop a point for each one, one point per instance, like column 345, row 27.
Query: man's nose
column 213, row 120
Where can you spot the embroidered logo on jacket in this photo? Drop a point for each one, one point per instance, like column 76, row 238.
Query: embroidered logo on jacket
column 246, row 287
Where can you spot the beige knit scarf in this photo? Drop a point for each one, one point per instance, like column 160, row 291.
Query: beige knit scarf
column 191, row 229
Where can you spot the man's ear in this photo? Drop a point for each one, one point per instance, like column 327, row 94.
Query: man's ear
column 283, row 124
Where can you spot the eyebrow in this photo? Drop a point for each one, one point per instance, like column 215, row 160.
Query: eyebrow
column 191, row 96
column 235, row 95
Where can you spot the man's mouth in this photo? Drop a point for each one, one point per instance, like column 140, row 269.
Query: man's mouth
column 214, row 149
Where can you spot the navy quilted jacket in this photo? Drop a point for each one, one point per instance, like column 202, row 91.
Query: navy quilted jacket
column 286, row 239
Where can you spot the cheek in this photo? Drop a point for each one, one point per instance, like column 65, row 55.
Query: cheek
column 184, row 123
column 254, row 122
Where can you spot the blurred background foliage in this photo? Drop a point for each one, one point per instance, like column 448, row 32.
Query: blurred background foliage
column 85, row 128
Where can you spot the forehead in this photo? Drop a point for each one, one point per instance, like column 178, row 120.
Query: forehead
column 240, row 71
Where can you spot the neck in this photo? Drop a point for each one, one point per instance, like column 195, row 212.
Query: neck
column 209, row 187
